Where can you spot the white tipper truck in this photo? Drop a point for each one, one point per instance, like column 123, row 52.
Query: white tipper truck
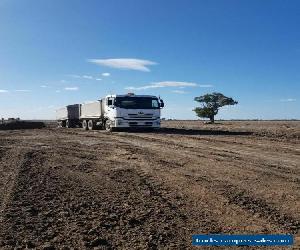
column 121, row 111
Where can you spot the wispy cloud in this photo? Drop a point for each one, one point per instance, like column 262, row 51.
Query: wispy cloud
column 179, row 91
column 169, row 84
column 71, row 88
column 23, row 90
column 288, row 100
column 205, row 85
column 125, row 63
column 57, row 91
column 74, row 76
column 87, row 77
column 45, row 86
column 106, row 74
column 3, row 91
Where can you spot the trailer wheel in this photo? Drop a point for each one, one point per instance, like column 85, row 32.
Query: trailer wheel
column 84, row 125
column 91, row 125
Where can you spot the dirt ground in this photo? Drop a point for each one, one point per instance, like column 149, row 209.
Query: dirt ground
column 69, row 188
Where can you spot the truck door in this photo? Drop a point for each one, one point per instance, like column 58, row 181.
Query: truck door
column 109, row 103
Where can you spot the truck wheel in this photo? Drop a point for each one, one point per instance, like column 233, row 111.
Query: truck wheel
column 108, row 126
column 63, row 124
column 91, row 125
column 68, row 124
column 84, row 125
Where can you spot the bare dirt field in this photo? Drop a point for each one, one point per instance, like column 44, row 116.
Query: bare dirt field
column 69, row 188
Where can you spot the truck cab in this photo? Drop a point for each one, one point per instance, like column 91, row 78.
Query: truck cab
column 125, row 111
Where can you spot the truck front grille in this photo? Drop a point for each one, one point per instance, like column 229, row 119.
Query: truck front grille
column 140, row 116
column 135, row 124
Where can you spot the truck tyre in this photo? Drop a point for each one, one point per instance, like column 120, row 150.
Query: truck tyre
column 63, row 124
column 108, row 126
column 84, row 125
column 91, row 125
column 68, row 124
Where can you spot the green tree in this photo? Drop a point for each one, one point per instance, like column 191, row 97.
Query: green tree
column 210, row 104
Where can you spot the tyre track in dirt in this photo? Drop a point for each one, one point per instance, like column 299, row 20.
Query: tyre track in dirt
column 126, row 155
column 9, row 170
column 240, row 197
column 10, row 215
column 116, row 175
column 251, row 141
column 272, row 174
column 285, row 172
column 86, row 203
column 226, row 148
column 291, row 224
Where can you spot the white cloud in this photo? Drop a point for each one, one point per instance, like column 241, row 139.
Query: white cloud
column 87, row 77
column 179, row 91
column 63, row 81
column 22, row 90
column 124, row 63
column 169, row 84
column 288, row 100
column 57, row 91
column 74, row 76
column 44, row 86
column 205, row 85
column 71, row 88
column 3, row 91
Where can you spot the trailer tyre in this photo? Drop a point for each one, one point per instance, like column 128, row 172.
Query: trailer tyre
column 91, row 125
column 84, row 125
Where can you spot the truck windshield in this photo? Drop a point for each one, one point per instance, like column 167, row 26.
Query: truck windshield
column 137, row 103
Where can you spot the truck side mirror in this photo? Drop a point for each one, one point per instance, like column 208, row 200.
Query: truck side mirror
column 162, row 103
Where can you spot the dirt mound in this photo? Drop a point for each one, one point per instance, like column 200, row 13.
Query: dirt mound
column 21, row 125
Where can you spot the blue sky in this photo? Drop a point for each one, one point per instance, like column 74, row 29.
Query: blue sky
column 58, row 52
